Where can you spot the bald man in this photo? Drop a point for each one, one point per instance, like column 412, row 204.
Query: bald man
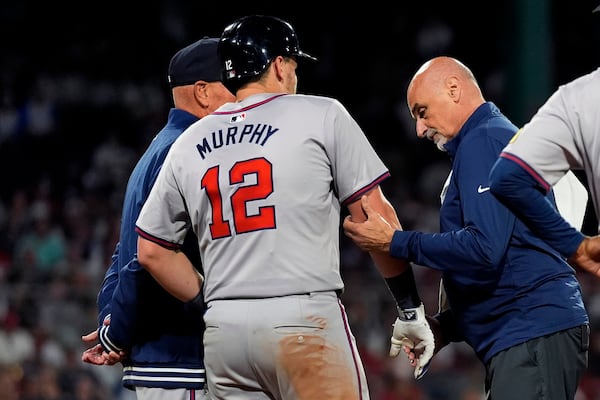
column 512, row 298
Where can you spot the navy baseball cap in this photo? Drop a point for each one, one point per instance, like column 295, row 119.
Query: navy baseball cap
column 197, row 62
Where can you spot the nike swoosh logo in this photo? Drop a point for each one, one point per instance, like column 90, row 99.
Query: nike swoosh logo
column 481, row 189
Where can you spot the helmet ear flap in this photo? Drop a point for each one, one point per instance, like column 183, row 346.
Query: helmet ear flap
column 249, row 44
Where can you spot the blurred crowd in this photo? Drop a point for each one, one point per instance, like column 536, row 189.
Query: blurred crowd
column 71, row 132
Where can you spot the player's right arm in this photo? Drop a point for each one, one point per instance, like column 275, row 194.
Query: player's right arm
column 411, row 328
column 171, row 268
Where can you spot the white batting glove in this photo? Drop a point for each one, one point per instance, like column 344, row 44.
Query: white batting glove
column 412, row 329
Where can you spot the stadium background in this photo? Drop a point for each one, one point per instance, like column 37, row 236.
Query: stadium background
column 83, row 90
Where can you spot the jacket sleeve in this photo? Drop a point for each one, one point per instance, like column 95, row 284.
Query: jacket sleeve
column 111, row 278
column 520, row 191
column 475, row 227
column 128, row 299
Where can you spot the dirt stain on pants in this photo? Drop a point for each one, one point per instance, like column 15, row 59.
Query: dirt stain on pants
column 317, row 369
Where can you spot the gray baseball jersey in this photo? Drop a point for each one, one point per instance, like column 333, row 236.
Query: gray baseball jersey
column 565, row 135
column 262, row 183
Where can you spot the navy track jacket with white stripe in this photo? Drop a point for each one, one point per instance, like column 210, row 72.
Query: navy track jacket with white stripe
column 162, row 334
column 505, row 286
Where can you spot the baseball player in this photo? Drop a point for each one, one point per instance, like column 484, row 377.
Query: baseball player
column 563, row 135
column 261, row 182
column 156, row 336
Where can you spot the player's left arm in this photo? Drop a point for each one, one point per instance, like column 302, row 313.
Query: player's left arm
column 411, row 328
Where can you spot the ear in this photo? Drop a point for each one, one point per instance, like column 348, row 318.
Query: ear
column 454, row 88
column 201, row 94
column 278, row 66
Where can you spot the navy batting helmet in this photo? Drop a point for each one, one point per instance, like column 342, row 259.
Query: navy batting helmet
column 248, row 45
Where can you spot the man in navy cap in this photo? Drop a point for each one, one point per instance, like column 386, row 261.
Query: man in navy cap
column 158, row 338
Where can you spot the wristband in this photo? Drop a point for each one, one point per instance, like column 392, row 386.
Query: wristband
column 404, row 290
column 411, row 314
column 197, row 302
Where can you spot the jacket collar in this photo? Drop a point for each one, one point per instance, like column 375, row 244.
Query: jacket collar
column 482, row 113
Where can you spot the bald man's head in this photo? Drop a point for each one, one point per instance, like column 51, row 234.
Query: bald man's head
column 441, row 96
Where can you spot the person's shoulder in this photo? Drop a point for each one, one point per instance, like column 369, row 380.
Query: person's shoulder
column 314, row 98
column 318, row 101
column 592, row 75
column 589, row 81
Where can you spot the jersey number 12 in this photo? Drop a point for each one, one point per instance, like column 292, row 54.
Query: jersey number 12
column 243, row 223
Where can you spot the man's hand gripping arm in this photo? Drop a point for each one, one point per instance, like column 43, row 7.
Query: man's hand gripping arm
column 368, row 226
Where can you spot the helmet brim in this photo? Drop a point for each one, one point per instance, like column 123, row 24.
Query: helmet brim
column 307, row 56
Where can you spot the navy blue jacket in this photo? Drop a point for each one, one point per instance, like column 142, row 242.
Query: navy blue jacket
column 505, row 286
column 162, row 334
